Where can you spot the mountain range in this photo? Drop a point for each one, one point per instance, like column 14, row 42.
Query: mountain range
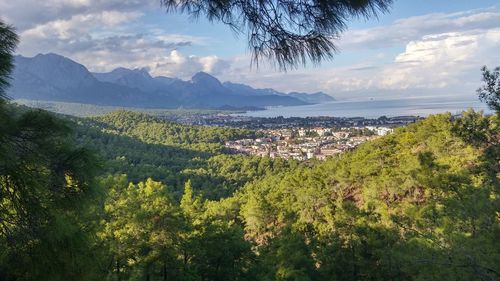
column 52, row 77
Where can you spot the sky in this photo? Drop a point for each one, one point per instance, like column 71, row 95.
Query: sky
column 419, row 48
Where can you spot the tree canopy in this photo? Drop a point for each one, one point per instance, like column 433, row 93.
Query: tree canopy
column 289, row 33
column 490, row 91
column 8, row 42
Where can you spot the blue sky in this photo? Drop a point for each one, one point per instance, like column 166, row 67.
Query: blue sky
column 420, row 48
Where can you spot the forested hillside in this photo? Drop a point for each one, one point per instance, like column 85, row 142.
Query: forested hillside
column 142, row 146
column 168, row 204
column 420, row 204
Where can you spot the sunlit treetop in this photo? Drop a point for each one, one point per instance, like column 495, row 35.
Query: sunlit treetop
column 288, row 33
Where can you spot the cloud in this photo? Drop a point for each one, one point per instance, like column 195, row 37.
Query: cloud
column 105, row 48
column 435, row 64
column 442, row 54
column 105, row 34
column 441, row 60
column 179, row 65
column 69, row 34
column 27, row 14
column 414, row 28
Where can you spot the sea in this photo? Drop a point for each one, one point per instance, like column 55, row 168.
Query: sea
column 374, row 108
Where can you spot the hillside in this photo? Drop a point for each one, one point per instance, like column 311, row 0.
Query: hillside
column 165, row 200
column 376, row 203
column 384, row 211
column 418, row 204
column 143, row 146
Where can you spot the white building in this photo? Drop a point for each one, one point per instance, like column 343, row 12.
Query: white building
column 381, row 131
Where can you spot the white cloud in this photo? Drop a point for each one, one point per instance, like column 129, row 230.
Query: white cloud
column 414, row 28
column 442, row 54
column 438, row 61
column 178, row 65
column 108, row 48
column 27, row 14
column 63, row 29
column 105, row 34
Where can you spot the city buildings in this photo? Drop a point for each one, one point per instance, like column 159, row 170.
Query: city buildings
column 303, row 144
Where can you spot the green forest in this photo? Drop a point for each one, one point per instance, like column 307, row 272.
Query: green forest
column 129, row 196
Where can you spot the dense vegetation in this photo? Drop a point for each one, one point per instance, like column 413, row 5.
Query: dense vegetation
column 419, row 204
column 416, row 205
column 144, row 147
column 128, row 196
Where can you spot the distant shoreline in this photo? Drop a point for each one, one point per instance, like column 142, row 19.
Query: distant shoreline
column 367, row 109
column 374, row 108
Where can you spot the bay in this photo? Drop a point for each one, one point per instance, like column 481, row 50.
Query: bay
column 420, row 106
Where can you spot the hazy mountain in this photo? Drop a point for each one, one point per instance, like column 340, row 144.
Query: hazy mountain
column 204, row 90
column 53, row 77
column 135, row 78
column 245, row 90
column 318, row 97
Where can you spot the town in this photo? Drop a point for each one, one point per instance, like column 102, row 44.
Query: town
column 238, row 121
column 295, row 137
column 305, row 143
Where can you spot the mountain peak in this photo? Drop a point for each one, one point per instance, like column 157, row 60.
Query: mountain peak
column 205, row 78
column 122, row 71
column 61, row 71
column 318, row 97
column 50, row 55
column 56, row 58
